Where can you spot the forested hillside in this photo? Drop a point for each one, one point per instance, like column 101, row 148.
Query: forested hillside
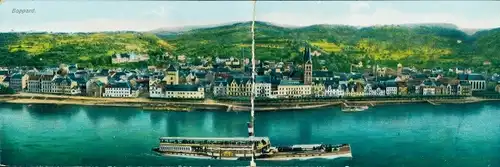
column 415, row 45
column 89, row 49
column 418, row 45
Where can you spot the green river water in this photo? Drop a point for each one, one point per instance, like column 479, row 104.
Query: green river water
column 410, row 135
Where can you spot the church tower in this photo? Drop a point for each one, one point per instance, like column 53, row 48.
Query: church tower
column 308, row 66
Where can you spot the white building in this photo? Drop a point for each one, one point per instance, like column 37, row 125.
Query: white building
column 291, row 89
column 155, row 91
column 177, row 91
column 428, row 91
column 391, row 88
column 184, row 92
column 263, row 86
column 220, row 88
column 354, row 90
column 380, row 91
column 374, row 90
column 128, row 58
column 64, row 85
column 46, row 83
column 119, row 89
column 34, row 84
column 18, row 82
column 477, row 82
column 334, row 91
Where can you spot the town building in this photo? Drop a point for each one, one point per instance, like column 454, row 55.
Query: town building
column 402, row 88
column 442, row 90
column 3, row 74
column 391, row 88
column 5, row 81
column 477, row 82
column 318, row 89
column 263, row 86
column 64, row 85
column 34, row 84
column 46, row 83
column 220, row 88
column 428, row 88
column 184, row 92
column 119, row 89
column 374, row 89
column 128, row 58
column 95, row 88
column 324, row 76
column 239, row 87
column 354, row 89
column 452, row 88
column 497, row 87
column 464, row 88
column 191, row 79
column 333, row 90
column 172, row 76
column 293, row 89
column 163, row 90
column 18, row 82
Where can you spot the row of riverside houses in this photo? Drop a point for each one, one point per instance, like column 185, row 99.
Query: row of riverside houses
column 287, row 81
column 78, row 81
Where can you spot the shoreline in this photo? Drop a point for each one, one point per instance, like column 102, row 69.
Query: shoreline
column 186, row 106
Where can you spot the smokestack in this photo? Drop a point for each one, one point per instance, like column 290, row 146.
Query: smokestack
column 250, row 129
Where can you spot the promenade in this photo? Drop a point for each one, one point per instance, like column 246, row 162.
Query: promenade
column 208, row 104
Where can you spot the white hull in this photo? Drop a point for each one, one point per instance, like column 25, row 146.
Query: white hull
column 348, row 155
column 333, row 156
column 200, row 157
column 355, row 109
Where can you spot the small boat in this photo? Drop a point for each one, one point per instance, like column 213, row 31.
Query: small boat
column 354, row 108
column 242, row 148
column 186, row 109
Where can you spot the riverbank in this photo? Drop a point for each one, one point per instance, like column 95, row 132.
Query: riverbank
column 164, row 105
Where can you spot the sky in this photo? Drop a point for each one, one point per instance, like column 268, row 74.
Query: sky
column 89, row 16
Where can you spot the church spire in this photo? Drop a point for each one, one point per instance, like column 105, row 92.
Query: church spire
column 307, row 55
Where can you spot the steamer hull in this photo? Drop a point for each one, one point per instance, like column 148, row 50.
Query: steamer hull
column 244, row 148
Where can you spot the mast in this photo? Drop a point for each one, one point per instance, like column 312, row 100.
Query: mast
column 252, row 98
column 252, row 94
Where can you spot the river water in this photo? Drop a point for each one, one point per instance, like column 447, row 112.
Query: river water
column 410, row 135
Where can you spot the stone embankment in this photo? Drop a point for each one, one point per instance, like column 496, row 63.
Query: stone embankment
column 168, row 105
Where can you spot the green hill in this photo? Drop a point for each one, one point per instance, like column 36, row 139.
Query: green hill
column 89, row 49
column 425, row 45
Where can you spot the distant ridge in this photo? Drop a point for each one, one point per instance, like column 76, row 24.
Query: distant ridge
column 176, row 30
column 442, row 25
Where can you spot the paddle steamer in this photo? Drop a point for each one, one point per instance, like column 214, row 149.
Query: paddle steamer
column 243, row 148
